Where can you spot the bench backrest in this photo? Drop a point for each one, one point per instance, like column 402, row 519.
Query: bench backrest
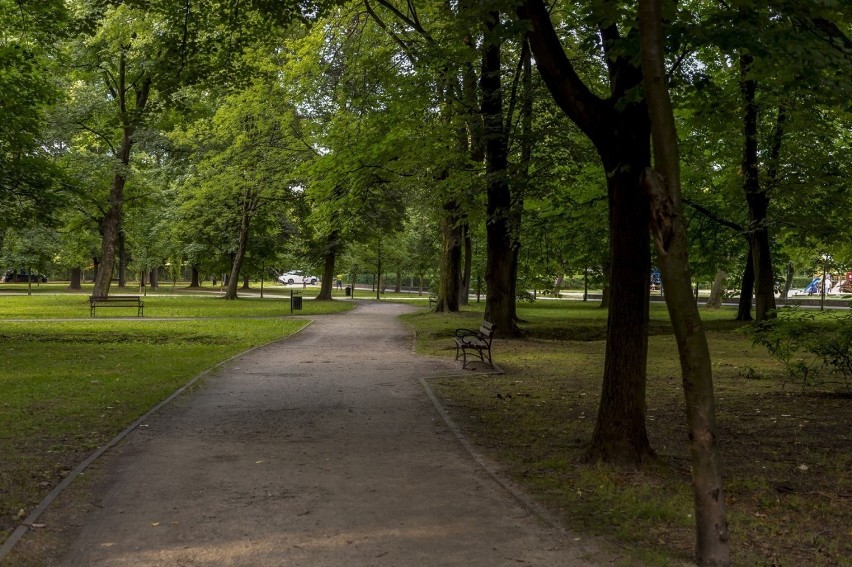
column 486, row 330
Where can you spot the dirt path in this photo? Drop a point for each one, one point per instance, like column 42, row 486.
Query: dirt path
column 322, row 449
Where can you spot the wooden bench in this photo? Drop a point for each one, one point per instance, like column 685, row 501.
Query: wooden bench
column 477, row 343
column 116, row 301
column 433, row 300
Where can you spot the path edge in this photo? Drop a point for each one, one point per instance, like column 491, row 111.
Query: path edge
column 28, row 523
column 485, row 463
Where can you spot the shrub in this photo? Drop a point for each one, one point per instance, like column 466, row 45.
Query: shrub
column 814, row 347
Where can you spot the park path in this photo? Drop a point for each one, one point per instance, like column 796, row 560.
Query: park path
column 322, row 449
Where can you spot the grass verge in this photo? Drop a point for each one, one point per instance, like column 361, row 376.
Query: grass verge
column 785, row 451
column 68, row 386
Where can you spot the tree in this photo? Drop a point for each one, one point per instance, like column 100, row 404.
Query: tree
column 28, row 177
column 662, row 184
column 246, row 163
column 619, row 129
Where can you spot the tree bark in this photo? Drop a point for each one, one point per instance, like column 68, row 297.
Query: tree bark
column 449, row 282
column 76, row 279
column 195, row 280
column 717, row 291
column 332, row 244
column 233, row 280
column 499, row 298
column 154, row 278
column 522, row 177
column 757, row 198
column 746, row 289
column 669, row 231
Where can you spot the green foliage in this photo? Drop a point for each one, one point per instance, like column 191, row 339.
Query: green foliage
column 814, row 347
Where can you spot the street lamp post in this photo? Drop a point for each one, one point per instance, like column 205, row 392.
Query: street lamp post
column 825, row 259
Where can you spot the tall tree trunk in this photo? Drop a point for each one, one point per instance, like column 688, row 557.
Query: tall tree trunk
column 620, row 131
column 233, row 280
column 717, row 290
column 620, row 435
column 112, row 220
column 499, row 299
column 756, row 197
column 449, row 281
column 332, row 243
column 195, row 279
column 154, row 278
column 746, row 289
column 669, row 230
column 246, row 282
column 522, row 178
column 76, row 279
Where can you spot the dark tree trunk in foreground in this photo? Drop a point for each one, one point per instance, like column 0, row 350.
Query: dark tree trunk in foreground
column 499, row 298
column 757, row 199
column 669, row 229
column 620, row 132
column 620, row 435
column 332, row 244
column 746, row 289
column 76, row 279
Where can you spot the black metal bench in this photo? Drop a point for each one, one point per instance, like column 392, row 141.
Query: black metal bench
column 477, row 343
column 116, row 301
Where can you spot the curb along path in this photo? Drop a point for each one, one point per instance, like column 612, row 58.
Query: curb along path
column 322, row 449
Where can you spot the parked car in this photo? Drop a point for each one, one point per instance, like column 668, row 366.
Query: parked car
column 297, row 277
column 23, row 276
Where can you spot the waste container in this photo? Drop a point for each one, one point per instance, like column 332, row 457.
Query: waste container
column 348, row 291
column 296, row 303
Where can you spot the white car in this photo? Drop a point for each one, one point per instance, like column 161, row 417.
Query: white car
column 297, row 277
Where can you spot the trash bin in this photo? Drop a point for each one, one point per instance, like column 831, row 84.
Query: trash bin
column 296, row 303
column 348, row 291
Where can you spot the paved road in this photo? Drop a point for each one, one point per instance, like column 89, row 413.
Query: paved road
column 322, row 449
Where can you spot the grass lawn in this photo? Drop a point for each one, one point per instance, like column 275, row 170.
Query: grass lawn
column 67, row 386
column 786, row 452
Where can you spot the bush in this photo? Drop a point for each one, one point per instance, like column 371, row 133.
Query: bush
column 814, row 347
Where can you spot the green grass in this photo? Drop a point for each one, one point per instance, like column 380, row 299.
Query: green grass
column 537, row 418
column 65, row 306
column 67, row 386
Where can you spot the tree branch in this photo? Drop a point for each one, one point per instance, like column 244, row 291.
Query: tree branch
column 587, row 110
